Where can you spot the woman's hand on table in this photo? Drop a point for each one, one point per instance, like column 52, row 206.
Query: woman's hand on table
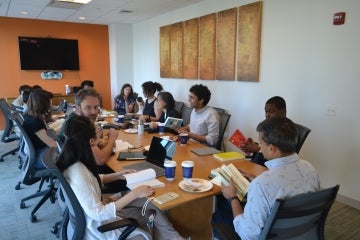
column 126, row 171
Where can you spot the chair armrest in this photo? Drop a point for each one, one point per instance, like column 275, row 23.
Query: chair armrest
column 118, row 224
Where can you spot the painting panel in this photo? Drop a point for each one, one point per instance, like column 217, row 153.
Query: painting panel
column 165, row 52
column 207, row 46
column 191, row 46
column 176, row 50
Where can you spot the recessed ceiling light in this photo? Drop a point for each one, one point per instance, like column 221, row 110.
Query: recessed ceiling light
column 82, row 18
column 24, row 12
column 76, row 1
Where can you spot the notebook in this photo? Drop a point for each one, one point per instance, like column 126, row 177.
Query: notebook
column 160, row 150
column 205, row 151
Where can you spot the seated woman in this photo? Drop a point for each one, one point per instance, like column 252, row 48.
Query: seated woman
column 149, row 112
column 125, row 101
column 35, row 119
column 78, row 165
column 166, row 103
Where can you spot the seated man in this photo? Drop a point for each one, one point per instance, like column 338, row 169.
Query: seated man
column 204, row 120
column 87, row 103
column 287, row 176
column 274, row 107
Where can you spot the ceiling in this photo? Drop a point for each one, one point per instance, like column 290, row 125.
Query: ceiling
column 96, row 12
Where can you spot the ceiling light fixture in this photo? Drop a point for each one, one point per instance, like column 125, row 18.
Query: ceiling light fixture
column 76, row 1
column 82, row 18
column 24, row 12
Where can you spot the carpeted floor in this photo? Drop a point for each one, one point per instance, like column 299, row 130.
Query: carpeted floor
column 343, row 221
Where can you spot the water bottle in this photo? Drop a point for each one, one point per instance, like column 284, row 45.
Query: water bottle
column 65, row 106
column 67, row 89
column 140, row 127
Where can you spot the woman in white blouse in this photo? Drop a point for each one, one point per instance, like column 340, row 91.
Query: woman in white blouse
column 78, row 165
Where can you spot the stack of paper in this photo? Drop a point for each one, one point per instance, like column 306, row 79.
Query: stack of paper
column 121, row 146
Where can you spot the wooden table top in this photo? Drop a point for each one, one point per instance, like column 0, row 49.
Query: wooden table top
column 202, row 167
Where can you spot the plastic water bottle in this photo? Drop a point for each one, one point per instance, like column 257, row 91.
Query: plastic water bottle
column 140, row 127
column 67, row 89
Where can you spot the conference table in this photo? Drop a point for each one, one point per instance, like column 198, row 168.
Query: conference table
column 191, row 212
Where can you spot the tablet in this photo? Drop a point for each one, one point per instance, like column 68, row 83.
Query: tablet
column 172, row 122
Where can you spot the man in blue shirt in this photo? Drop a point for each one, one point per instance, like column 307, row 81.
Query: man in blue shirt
column 287, row 176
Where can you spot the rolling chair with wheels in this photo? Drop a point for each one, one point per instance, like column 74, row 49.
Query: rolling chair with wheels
column 30, row 175
column 73, row 224
column 302, row 216
column 223, row 122
column 9, row 134
column 303, row 132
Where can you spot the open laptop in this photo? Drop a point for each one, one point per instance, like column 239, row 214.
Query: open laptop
column 160, row 150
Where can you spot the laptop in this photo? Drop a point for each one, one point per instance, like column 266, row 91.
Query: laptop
column 160, row 150
column 128, row 156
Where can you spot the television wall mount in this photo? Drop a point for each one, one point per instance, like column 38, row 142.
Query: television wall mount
column 51, row 75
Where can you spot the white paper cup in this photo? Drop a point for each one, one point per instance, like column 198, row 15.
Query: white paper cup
column 170, row 167
column 187, row 169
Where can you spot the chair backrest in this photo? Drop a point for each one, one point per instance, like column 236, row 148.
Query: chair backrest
column 224, row 120
column 186, row 113
column 8, row 135
column 219, row 110
column 179, row 106
column 301, row 215
column 303, row 132
column 29, row 173
column 74, row 223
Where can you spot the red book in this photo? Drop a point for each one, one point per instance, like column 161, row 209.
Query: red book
column 237, row 138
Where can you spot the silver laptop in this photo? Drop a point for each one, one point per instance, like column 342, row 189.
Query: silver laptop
column 160, row 150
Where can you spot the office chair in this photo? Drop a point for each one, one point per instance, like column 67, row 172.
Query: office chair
column 186, row 113
column 224, row 120
column 303, row 132
column 9, row 134
column 179, row 106
column 219, row 110
column 31, row 175
column 73, row 224
column 303, row 215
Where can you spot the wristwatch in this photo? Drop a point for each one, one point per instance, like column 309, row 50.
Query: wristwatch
column 231, row 199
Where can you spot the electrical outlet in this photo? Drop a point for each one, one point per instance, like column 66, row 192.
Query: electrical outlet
column 330, row 110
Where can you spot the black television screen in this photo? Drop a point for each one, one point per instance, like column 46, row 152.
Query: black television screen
column 48, row 53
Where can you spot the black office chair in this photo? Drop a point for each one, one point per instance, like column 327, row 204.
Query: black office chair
column 179, row 106
column 303, row 132
column 31, row 175
column 186, row 113
column 9, row 134
column 73, row 224
column 303, row 215
column 223, row 122
column 219, row 110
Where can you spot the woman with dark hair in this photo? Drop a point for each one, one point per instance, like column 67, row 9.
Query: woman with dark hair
column 166, row 103
column 125, row 101
column 77, row 163
column 35, row 120
column 150, row 113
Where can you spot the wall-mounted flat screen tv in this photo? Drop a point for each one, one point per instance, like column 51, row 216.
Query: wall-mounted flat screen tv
column 48, row 53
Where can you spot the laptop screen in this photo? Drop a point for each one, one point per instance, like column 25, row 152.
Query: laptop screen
column 160, row 150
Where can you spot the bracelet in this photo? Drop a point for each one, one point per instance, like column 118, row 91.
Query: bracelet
column 231, row 199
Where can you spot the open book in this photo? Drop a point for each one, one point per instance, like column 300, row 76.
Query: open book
column 225, row 173
column 143, row 177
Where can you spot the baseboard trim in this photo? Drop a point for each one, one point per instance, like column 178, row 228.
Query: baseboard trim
column 348, row 201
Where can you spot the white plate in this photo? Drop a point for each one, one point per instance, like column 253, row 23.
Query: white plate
column 131, row 130
column 195, row 185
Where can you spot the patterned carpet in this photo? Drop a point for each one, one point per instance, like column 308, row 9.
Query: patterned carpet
column 343, row 221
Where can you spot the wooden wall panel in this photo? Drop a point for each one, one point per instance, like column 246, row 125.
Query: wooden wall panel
column 165, row 52
column 207, row 46
column 190, row 49
column 249, row 41
column 176, row 50
column 226, row 44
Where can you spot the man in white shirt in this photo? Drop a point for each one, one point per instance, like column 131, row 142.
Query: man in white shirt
column 204, row 120
column 287, row 176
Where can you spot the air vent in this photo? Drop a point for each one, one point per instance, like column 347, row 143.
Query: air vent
column 125, row 11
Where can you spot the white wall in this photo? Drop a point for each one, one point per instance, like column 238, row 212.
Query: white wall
column 305, row 59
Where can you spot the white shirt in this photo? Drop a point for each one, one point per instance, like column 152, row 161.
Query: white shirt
column 88, row 192
column 205, row 122
column 286, row 177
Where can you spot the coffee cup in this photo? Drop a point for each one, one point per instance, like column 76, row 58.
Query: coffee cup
column 187, row 169
column 183, row 138
column 170, row 167
column 121, row 118
column 161, row 127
